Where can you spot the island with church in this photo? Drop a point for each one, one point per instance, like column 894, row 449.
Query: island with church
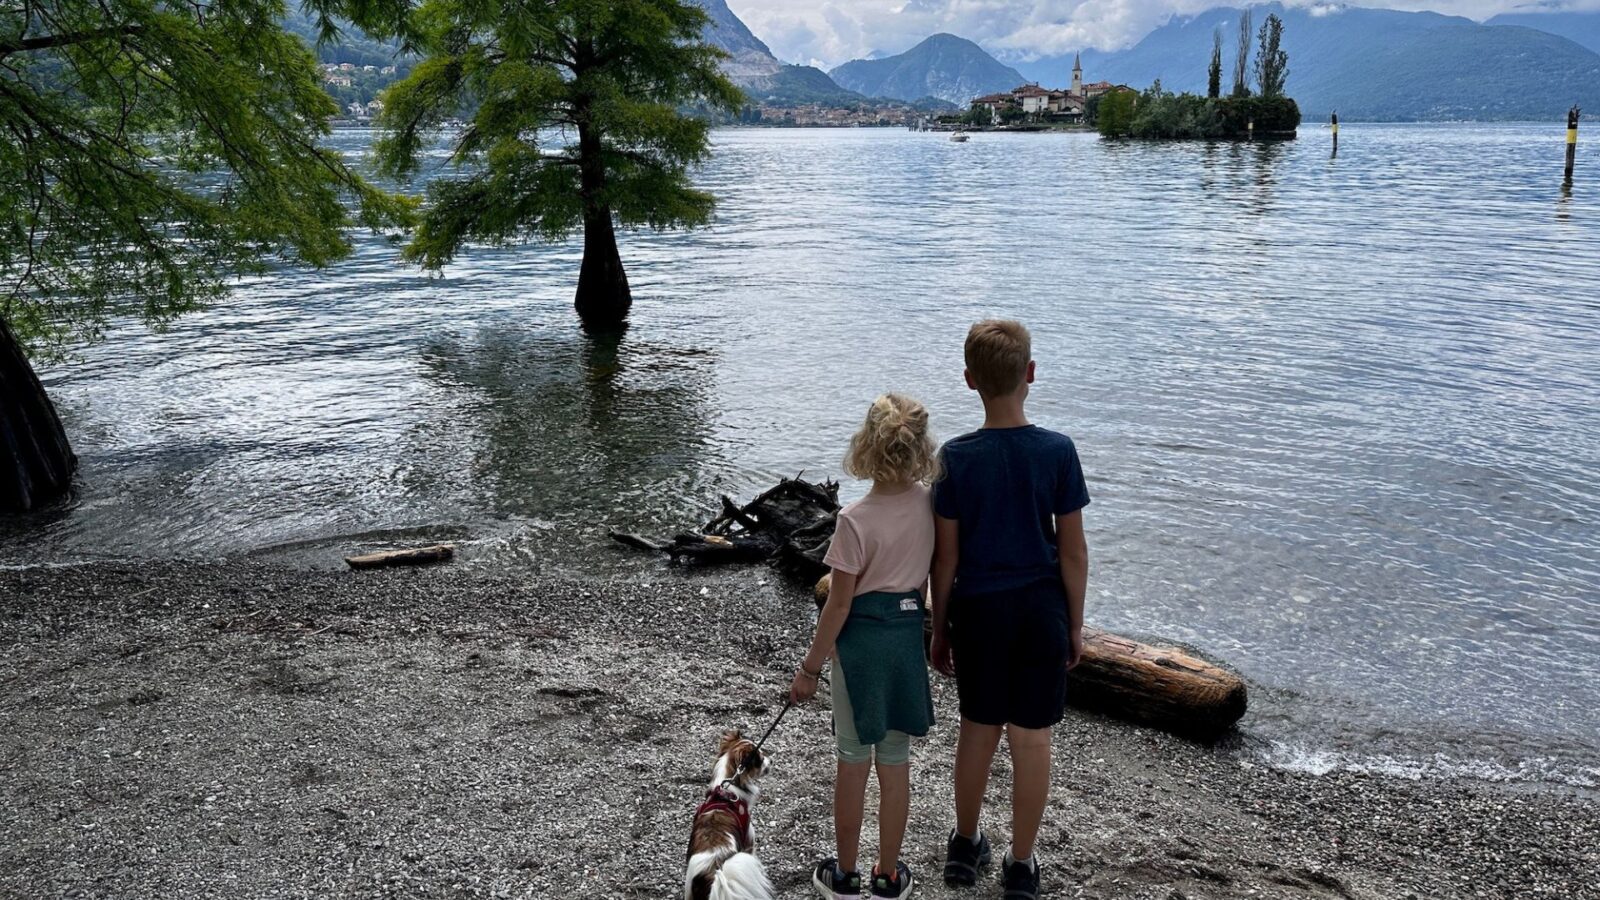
column 1256, row 107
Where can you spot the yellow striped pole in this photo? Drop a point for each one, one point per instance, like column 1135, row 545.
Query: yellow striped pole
column 1572, row 138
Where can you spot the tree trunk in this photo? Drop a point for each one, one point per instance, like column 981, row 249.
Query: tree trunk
column 36, row 462
column 603, row 295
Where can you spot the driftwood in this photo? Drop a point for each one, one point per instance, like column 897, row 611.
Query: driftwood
column 1163, row 687
column 417, row 556
column 790, row 524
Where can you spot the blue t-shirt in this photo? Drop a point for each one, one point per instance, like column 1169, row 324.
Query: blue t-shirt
column 1005, row 486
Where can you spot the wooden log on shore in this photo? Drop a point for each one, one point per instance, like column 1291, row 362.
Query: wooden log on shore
column 1162, row 687
column 416, row 556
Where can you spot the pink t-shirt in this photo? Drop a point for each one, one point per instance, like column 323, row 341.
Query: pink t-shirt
column 886, row 540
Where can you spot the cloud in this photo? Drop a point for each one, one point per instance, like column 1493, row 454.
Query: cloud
column 829, row 32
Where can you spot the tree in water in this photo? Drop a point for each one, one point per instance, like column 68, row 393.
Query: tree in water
column 1241, row 63
column 1214, row 73
column 575, row 121
column 149, row 153
column 1272, row 61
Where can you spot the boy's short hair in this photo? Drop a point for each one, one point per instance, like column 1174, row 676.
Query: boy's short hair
column 998, row 352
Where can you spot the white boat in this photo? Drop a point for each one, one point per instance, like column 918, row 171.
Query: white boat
column 959, row 137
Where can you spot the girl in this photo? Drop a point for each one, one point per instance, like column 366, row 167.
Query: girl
column 872, row 627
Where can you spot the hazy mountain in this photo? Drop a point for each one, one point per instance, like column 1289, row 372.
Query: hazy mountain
column 795, row 85
column 1374, row 64
column 1579, row 27
column 944, row 66
column 752, row 59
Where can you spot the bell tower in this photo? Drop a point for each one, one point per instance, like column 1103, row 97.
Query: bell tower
column 1077, row 74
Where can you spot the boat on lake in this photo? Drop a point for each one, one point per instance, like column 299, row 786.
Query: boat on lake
column 959, row 137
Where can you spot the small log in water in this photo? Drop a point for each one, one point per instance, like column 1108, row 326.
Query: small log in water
column 418, row 556
column 1162, row 687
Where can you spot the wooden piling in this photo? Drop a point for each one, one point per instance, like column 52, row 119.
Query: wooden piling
column 1334, row 125
column 1250, row 128
column 1573, row 115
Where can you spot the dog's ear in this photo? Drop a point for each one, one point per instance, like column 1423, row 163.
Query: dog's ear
column 730, row 739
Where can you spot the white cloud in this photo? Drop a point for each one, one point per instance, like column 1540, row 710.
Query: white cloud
column 829, row 32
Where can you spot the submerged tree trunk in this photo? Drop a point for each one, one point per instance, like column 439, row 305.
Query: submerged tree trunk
column 603, row 295
column 36, row 462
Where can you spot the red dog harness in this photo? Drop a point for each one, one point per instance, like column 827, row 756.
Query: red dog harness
column 720, row 799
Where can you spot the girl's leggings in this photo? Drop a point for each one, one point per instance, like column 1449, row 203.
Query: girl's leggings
column 893, row 750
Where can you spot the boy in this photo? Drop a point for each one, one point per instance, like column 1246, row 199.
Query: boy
column 1010, row 566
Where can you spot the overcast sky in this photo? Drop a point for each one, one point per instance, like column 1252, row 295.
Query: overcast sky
column 829, row 32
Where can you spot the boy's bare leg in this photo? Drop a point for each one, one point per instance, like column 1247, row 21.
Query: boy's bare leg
column 1030, row 767
column 894, row 807
column 849, row 798
column 974, row 753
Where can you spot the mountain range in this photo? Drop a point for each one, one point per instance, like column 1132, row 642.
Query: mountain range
column 1371, row 64
column 944, row 66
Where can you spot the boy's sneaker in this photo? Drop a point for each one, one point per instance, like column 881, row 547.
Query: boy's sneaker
column 1020, row 880
column 833, row 883
column 963, row 859
column 898, row 887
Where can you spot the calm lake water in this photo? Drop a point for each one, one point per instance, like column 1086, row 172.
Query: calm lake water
column 1338, row 415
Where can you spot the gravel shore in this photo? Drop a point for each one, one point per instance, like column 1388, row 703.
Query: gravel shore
column 236, row 730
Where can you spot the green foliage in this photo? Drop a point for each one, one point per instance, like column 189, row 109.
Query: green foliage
column 150, row 152
column 1114, row 113
column 1241, row 62
column 1163, row 115
column 1214, row 72
column 578, row 114
column 1272, row 115
column 1272, row 61
column 1011, row 115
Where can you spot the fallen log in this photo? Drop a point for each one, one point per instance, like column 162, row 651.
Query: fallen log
column 417, row 556
column 1162, row 687
column 789, row 524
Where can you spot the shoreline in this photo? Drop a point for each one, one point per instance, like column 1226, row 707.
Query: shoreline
column 240, row 729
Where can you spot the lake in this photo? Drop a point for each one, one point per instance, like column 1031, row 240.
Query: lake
column 1338, row 415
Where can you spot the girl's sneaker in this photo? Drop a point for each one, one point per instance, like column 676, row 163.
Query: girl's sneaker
column 898, row 887
column 832, row 883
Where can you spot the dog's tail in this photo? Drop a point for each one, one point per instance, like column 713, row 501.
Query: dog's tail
column 741, row 877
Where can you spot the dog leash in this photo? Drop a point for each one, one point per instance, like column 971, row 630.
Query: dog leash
column 788, row 705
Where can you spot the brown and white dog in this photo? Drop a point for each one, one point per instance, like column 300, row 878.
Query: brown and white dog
column 722, row 863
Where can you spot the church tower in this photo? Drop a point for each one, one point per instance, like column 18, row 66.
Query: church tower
column 1077, row 74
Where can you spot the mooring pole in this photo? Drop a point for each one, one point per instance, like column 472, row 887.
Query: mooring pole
column 1335, row 126
column 1250, row 127
column 1573, row 115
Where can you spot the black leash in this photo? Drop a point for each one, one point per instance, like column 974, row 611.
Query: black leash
column 774, row 726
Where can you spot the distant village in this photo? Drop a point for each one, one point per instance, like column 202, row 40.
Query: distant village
column 1032, row 103
column 356, row 88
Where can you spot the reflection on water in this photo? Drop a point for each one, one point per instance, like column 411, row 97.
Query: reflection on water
column 1338, row 418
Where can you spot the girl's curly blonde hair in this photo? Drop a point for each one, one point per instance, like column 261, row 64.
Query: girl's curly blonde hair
column 894, row 445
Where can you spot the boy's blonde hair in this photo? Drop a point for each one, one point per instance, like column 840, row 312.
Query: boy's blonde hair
column 893, row 445
column 998, row 352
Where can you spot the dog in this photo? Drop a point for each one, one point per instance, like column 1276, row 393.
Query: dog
column 721, row 862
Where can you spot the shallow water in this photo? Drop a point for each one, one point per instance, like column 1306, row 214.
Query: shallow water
column 1338, row 415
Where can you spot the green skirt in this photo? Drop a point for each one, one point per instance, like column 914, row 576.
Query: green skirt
column 881, row 651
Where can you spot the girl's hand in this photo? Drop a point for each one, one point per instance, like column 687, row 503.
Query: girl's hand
column 802, row 688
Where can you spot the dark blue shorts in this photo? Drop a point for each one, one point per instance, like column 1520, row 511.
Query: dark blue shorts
column 1011, row 651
